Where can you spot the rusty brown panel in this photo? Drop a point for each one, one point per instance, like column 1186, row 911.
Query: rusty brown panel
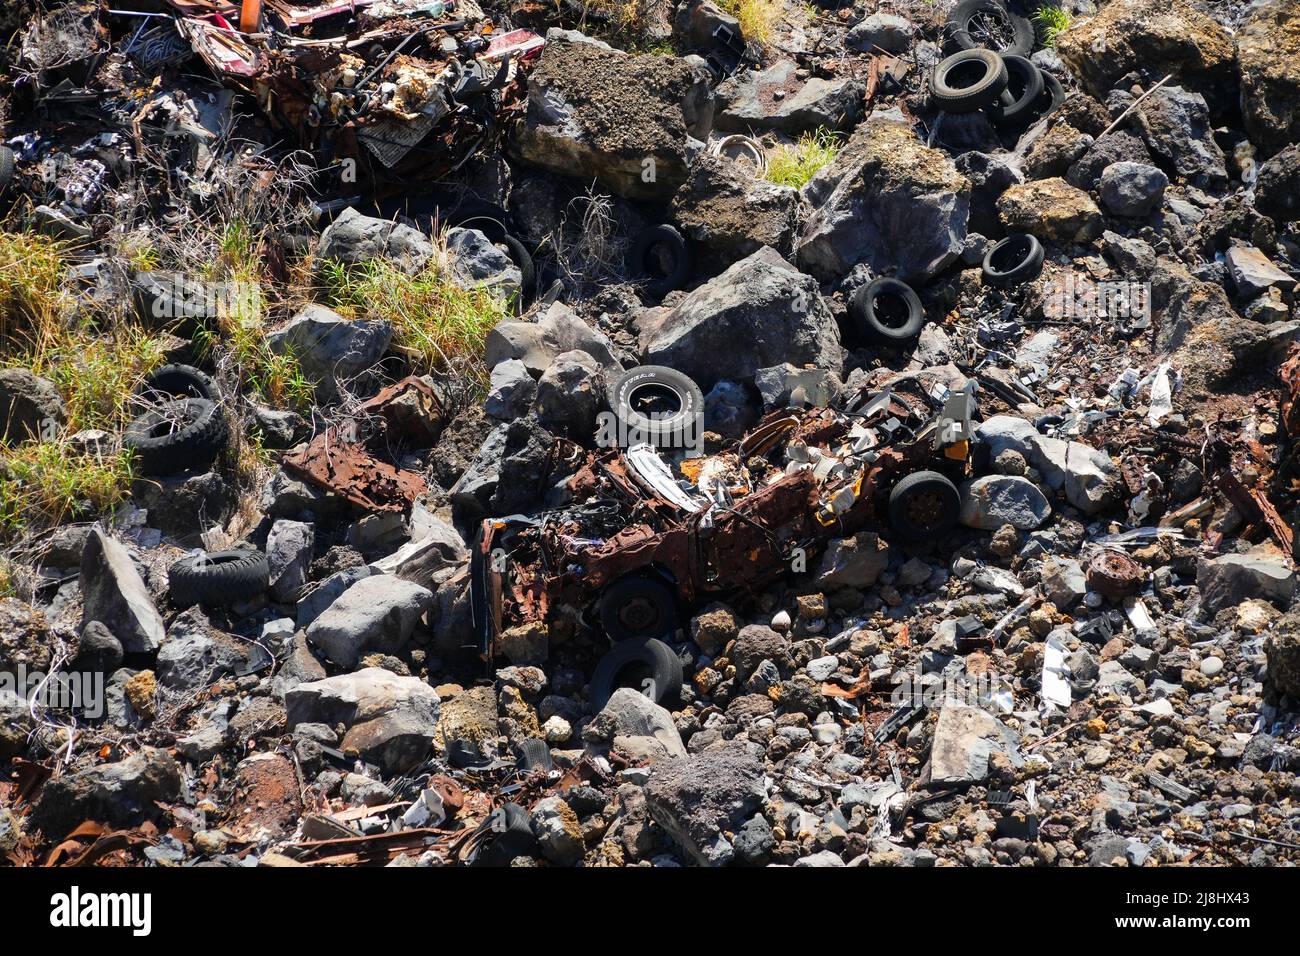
column 354, row 474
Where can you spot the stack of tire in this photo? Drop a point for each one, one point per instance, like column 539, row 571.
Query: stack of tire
column 186, row 427
column 990, row 69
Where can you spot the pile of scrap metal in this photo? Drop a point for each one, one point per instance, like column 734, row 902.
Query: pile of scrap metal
column 643, row 539
column 394, row 85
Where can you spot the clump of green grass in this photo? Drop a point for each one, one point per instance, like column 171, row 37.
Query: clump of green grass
column 43, row 484
column 758, row 18
column 436, row 324
column 32, row 298
column 794, row 165
column 1051, row 20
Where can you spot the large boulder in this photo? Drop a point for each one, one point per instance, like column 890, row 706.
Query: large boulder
column 1154, row 37
column 758, row 313
column 114, row 594
column 378, row 613
column 778, row 99
column 629, row 713
column 1277, row 187
column 1175, row 125
column 1084, row 474
column 391, row 720
column 333, row 351
column 1268, row 50
column 30, row 406
column 729, row 214
column 703, row 800
column 886, row 200
column 990, row 502
column 353, row 239
column 620, row 118
column 1230, row 579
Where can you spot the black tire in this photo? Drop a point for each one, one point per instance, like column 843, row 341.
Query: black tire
column 988, row 24
column 649, row 667
column 968, row 81
column 181, row 435
column 924, row 506
column 887, row 312
column 658, row 405
column 1016, row 259
column 1015, row 107
column 647, row 260
column 638, row 607
column 218, row 578
column 1053, row 95
column 6, row 169
column 158, row 305
column 522, row 258
column 180, row 381
column 533, row 754
column 505, row 834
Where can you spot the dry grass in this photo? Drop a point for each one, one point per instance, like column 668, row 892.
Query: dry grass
column 758, row 18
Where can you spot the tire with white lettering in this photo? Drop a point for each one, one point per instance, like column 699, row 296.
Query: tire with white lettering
column 658, row 405
column 968, row 81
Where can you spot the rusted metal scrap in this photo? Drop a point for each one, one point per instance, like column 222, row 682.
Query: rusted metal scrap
column 1114, row 574
column 412, row 408
column 351, row 472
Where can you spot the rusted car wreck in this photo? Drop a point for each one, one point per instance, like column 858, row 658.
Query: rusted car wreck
column 640, row 543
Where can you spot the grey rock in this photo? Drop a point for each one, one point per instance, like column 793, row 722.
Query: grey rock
column 1175, row 125
column 1229, row 579
column 115, row 595
column 785, row 384
column 118, row 794
column 30, row 407
column 184, row 504
column 886, row 200
column 288, row 551
column 698, row 799
column 390, row 719
column 1277, row 186
column 197, row 654
column 1063, row 581
column 98, row 651
column 1253, row 273
column 474, row 262
column 854, row 562
column 536, row 344
column 758, row 313
column 558, row 832
column 882, row 31
column 629, row 713
column 511, row 391
column 313, row 604
column 1085, row 474
column 728, row 214
column 992, row 501
column 989, row 176
column 570, row 393
column 354, row 239
column 333, row 351
column 696, row 22
column 777, row 99
column 1132, row 189
column 378, row 613
column 964, row 739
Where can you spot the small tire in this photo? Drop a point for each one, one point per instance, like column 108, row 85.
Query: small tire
column 968, row 28
column 158, row 305
column 1016, row 259
column 638, row 607
column 181, row 435
column 533, row 754
column 656, row 404
column 968, row 81
column 887, row 312
column 661, row 280
column 924, row 506
column 218, row 578
column 1015, row 107
column 180, row 381
column 649, row 667
column 1052, row 96
column 505, row 834
column 6, row 169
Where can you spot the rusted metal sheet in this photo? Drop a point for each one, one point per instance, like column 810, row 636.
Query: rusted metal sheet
column 351, row 472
